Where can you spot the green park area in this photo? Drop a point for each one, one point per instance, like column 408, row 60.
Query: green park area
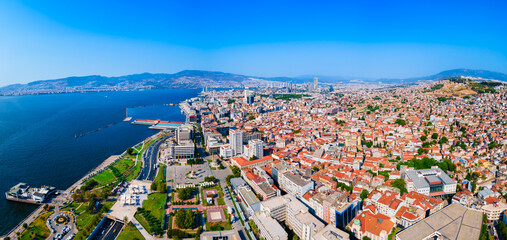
column 219, row 226
column 130, row 232
column 152, row 214
column 219, row 199
column 37, row 229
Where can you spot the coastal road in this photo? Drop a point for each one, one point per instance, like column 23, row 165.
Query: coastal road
column 150, row 156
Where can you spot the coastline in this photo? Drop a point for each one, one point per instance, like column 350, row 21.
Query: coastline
column 101, row 167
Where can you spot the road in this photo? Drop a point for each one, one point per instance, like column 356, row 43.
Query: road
column 221, row 174
column 109, row 230
column 150, row 156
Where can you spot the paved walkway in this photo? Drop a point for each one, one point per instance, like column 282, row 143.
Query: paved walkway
column 28, row 220
column 199, row 207
column 99, row 168
column 141, row 229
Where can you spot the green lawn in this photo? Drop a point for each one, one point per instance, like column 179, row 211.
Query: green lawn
column 221, row 225
column 83, row 219
column 142, row 221
column 156, row 205
column 160, row 174
column 104, row 178
column 219, row 200
column 37, row 229
column 130, row 232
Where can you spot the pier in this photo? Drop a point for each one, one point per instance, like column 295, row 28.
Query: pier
column 127, row 118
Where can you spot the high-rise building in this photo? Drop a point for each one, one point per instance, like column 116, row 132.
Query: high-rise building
column 184, row 133
column 315, row 83
column 236, row 140
column 256, row 148
column 249, row 97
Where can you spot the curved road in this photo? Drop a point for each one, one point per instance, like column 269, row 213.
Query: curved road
column 150, row 156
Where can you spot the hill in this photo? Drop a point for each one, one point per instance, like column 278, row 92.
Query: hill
column 202, row 79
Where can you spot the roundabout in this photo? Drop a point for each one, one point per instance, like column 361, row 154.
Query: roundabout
column 62, row 225
column 62, row 219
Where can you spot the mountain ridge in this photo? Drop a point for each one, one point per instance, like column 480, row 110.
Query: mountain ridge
column 202, row 78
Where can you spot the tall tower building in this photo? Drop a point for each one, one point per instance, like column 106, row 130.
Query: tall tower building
column 315, row 83
column 249, row 97
column 236, row 141
column 256, row 148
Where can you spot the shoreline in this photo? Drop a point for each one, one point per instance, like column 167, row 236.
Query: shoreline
column 101, row 167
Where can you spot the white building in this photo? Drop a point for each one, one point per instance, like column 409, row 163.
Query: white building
column 295, row 214
column 226, row 151
column 295, row 184
column 430, row 182
column 236, row 141
column 255, row 148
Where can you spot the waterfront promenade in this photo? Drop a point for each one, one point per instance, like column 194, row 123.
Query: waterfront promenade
column 66, row 195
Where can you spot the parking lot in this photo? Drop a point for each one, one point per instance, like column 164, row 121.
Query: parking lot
column 64, row 230
column 177, row 173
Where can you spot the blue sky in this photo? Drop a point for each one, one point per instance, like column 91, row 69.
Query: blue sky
column 372, row 39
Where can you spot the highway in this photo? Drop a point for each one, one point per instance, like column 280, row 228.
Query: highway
column 150, row 156
column 108, row 230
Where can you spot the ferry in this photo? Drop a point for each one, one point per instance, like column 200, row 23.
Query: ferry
column 21, row 192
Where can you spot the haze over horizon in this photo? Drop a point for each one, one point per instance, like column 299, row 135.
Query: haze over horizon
column 396, row 39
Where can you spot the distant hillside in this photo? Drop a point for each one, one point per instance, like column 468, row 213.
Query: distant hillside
column 183, row 79
column 455, row 73
column 201, row 79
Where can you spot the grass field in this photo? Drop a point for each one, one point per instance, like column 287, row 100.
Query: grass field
column 130, row 232
column 219, row 199
column 161, row 173
column 104, row 178
column 37, row 229
column 218, row 226
column 156, row 205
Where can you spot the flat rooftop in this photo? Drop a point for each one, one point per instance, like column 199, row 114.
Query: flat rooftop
column 452, row 222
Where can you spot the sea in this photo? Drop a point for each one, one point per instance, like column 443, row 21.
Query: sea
column 38, row 143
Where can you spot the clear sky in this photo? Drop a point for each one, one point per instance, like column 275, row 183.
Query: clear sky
column 373, row 39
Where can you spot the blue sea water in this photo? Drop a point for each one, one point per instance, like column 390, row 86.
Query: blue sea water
column 38, row 144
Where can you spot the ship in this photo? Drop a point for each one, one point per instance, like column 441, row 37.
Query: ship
column 21, row 192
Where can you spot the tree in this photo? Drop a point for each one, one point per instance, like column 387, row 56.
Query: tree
column 251, row 117
column 259, row 196
column 366, row 238
column 185, row 218
column 424, row 137
column 130, row 151
column 364, row 194
column 401, row 122
column 161, row 187
column 434, row 136
column 442, row 140
column 25, row 225
column 185, row 193
column 400, row 184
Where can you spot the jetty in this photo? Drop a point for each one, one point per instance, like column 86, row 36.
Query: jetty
column 127, row 118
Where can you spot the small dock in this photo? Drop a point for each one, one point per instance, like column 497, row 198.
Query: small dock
column 127, row 118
